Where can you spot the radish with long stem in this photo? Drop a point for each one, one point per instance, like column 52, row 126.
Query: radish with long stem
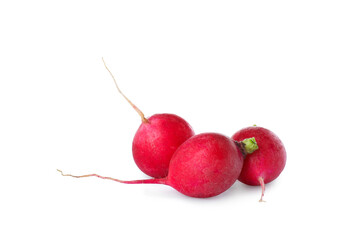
column 157, row 139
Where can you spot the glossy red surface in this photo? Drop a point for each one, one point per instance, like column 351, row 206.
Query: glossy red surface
column 205, row 165
column 156, row 141
column 266, row 162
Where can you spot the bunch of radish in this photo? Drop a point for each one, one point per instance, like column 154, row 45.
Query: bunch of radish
column 166, row 148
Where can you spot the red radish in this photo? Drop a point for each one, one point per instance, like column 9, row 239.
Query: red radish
column 266, row 164
column 204, row 166
column 157, row 139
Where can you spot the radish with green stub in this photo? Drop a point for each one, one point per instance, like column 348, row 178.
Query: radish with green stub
column 156, row 139
column 204, row 166
column 266, row 164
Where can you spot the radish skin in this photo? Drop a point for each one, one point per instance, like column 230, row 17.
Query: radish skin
column 266, row 164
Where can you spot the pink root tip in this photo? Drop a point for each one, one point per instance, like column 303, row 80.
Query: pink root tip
column 261, row 180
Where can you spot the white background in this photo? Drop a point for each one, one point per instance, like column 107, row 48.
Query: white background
column 289, row 66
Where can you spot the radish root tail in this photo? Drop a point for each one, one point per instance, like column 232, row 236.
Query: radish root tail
column 153, row 180
column 261, row 180
column 143, row 118
column 88, row 175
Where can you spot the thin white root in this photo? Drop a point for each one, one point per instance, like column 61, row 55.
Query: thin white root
column 143, row 118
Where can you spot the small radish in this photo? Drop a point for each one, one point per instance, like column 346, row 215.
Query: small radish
column 266, row 164
column 204, row 166
column 157, row 139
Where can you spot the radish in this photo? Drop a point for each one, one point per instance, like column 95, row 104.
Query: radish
column 266, row 164
column 157, row 139
column 204, row 166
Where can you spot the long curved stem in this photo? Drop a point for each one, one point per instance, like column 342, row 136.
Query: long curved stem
column 143, row 118
column 152, row 180
column 261, row 180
